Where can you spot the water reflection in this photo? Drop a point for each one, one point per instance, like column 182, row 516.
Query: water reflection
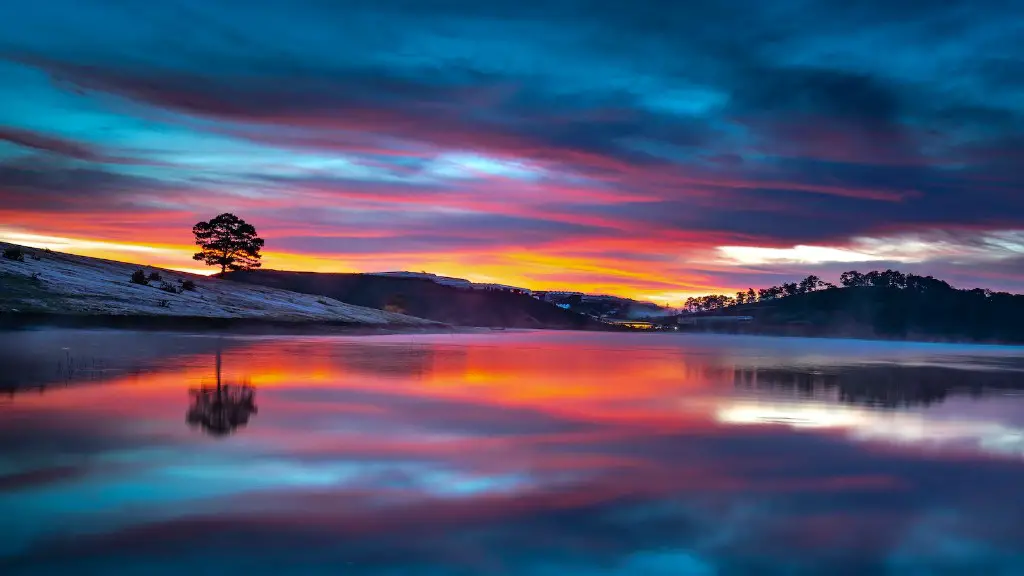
column 882, row 386
column 524, row 453
column 221, row 409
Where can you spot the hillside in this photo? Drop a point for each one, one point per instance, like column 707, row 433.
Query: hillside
column 940, row 313
column 52, row 283
column 426, row 299
column 602, row 306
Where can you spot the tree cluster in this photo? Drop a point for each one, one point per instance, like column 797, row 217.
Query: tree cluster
column 890, row 279
column 751, row 296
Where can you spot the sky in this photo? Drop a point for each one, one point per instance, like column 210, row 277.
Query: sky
column 653, row 149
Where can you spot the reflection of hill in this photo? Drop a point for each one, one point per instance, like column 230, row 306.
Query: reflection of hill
column 879, row 386
column 36, row 359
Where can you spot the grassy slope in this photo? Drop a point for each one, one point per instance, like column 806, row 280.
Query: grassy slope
column 77, row 285
column 426, row 299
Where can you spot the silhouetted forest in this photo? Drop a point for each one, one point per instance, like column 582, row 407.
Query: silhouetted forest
column 851, row 279
column 888, row 304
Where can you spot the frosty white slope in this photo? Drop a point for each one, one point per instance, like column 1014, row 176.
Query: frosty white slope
column 66, row 284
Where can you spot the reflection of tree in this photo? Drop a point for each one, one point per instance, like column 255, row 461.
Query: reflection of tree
column 220, row 409
column 879, row 386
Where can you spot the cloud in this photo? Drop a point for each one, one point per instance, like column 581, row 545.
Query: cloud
column 63, row 147
column 58, row 187
column 60, row 146
column 801, row 127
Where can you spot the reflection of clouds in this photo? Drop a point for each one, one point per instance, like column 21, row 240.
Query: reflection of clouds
column 651, row 563
column 549, row 454
column 918, row 428
column 795, row 415
column 425, row 479
column 990, row 437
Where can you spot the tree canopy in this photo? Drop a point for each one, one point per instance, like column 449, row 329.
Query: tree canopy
column 886, row 303
column 890, row 279
column 229, row 242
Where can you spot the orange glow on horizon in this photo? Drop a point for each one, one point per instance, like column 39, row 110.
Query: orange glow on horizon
column 553, row 378
column 536, row 270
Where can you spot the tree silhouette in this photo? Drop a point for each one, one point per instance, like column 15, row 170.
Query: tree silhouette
column 809, row 284
column 852, row 279
column 885, row 303
column 229, row 242
column 926, row 283
column 222, row 409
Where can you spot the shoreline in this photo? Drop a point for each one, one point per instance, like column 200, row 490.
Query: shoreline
column 780, row 331
column 17, row 321
column 14, row 321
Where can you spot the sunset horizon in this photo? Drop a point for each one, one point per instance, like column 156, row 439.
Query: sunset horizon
column 511, row 287
column 500, row 144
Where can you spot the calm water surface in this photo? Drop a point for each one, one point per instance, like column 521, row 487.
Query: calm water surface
column 515, row 453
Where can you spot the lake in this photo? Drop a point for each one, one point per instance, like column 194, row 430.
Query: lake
column 512, row 453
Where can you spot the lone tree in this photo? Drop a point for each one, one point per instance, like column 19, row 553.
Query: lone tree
column 229, row 242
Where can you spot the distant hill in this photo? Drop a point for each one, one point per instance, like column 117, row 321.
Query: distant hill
column 45, row 285
column 602, row 306
column 425, row 298
column 938, row 313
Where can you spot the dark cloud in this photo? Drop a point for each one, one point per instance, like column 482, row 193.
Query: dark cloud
column 444, row 233
column 43, row 142
column 39, row 477
column 797, row 123
column 832, row 94
column 461, row 110
column 44, row 185
column 59, row 187
column 63, row 147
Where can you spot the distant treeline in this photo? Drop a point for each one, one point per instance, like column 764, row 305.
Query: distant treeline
column 887, row 304
column 852, row 279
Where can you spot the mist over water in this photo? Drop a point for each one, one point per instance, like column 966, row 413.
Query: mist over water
column 548, row 453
